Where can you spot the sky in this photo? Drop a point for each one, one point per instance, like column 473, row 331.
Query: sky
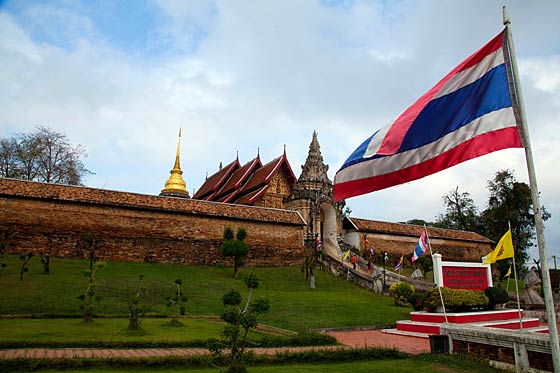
column 241, row 77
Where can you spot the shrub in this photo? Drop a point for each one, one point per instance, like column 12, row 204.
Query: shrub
column 457, row 300
column 495, row 296
column 400, row 292
column 417, row 301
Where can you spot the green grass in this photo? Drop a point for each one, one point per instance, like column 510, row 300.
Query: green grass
column 107, row 330
column 293, row 305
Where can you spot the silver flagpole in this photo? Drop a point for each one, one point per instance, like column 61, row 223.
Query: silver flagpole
column 519, row 110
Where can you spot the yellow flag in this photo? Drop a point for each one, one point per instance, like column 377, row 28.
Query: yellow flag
column 503, row 250
column 347, row 255
column 508, row 272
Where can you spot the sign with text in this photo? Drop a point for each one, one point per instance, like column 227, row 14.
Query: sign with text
column 463, row 277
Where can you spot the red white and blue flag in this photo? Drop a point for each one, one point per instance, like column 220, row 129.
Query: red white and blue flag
column 466, row 115
column 422, row 246
column 399, row 264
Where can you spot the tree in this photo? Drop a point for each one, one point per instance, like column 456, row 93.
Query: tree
column 236, row 248
column 176, row 303
column 43, row 155
column 237, row 319
column 136, row 307
column 24, row 262
column 90, row 243
column 460, row 212
column 90, row 298
column 311, row 261
column 510, row 202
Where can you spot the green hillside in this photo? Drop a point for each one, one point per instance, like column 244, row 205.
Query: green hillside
column 294, row 306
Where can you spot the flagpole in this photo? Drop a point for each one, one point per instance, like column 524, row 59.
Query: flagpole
column 434, row 273
column 516, row 286
column 517, row 293
column 519, row 110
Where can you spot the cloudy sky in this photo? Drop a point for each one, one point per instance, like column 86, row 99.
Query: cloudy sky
column 120, row 77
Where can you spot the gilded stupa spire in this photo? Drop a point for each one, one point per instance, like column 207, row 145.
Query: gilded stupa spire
column 175, row 186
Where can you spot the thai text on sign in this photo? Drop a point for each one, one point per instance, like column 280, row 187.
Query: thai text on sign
column 470, row 278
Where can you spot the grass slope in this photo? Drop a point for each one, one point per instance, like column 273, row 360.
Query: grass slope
column 294, row 306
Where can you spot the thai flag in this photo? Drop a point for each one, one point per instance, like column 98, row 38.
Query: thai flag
column 466, row 115
column 399, row 264
column 422, row 246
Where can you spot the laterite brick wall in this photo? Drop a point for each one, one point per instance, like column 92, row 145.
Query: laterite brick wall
column 138, row 227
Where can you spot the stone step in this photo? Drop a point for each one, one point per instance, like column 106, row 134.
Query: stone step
column 466, row 317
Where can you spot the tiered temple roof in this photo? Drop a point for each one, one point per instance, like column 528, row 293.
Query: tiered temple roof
column 247, row 184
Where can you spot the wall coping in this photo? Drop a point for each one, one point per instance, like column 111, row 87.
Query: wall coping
column 23, row 189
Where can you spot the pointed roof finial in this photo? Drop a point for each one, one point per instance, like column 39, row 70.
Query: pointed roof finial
column 284, row 149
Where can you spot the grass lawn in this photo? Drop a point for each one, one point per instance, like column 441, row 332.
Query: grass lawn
column 106, row 330
column 293, row 305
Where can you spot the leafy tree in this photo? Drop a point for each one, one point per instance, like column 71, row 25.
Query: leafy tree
column 91, row 244
column 236, row 248
column 424, row 263
column 460, row 212
column 419, row 222
column 90, row 298
column 24, row 262
column 42, row 155
column 176, row 302
column 240, row 322
column 510, row 201
column 136, row 307
column 309, row 264
column 46, row 257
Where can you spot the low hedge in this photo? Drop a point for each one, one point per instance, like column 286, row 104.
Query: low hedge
column 197, row 361
column 456, row 300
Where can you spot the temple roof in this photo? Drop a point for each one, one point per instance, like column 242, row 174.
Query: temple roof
column 243, row 184
column 373, row 226
column 216, row 181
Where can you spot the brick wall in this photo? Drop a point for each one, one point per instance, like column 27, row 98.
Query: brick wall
column 138, row 227
column 451, row 250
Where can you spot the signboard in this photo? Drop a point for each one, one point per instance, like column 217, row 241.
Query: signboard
column 460, row 277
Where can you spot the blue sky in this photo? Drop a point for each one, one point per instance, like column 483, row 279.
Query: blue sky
column 120, row 77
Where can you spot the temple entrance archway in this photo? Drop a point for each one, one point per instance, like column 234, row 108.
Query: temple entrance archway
column 328, row 229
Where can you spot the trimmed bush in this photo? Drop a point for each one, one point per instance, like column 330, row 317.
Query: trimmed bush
column 457, row 300
column 417, row 301
column 400, row 292
column 495, row 296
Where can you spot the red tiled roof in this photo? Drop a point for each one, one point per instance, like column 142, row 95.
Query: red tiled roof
column 374, row 226
column 264, row 174
column 214, row 182
column 250, row 198
column 237, row 179
column 243, row 184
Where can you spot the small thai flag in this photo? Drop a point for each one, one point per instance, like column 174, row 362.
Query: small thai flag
column 399, row 264
column 422, row 246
